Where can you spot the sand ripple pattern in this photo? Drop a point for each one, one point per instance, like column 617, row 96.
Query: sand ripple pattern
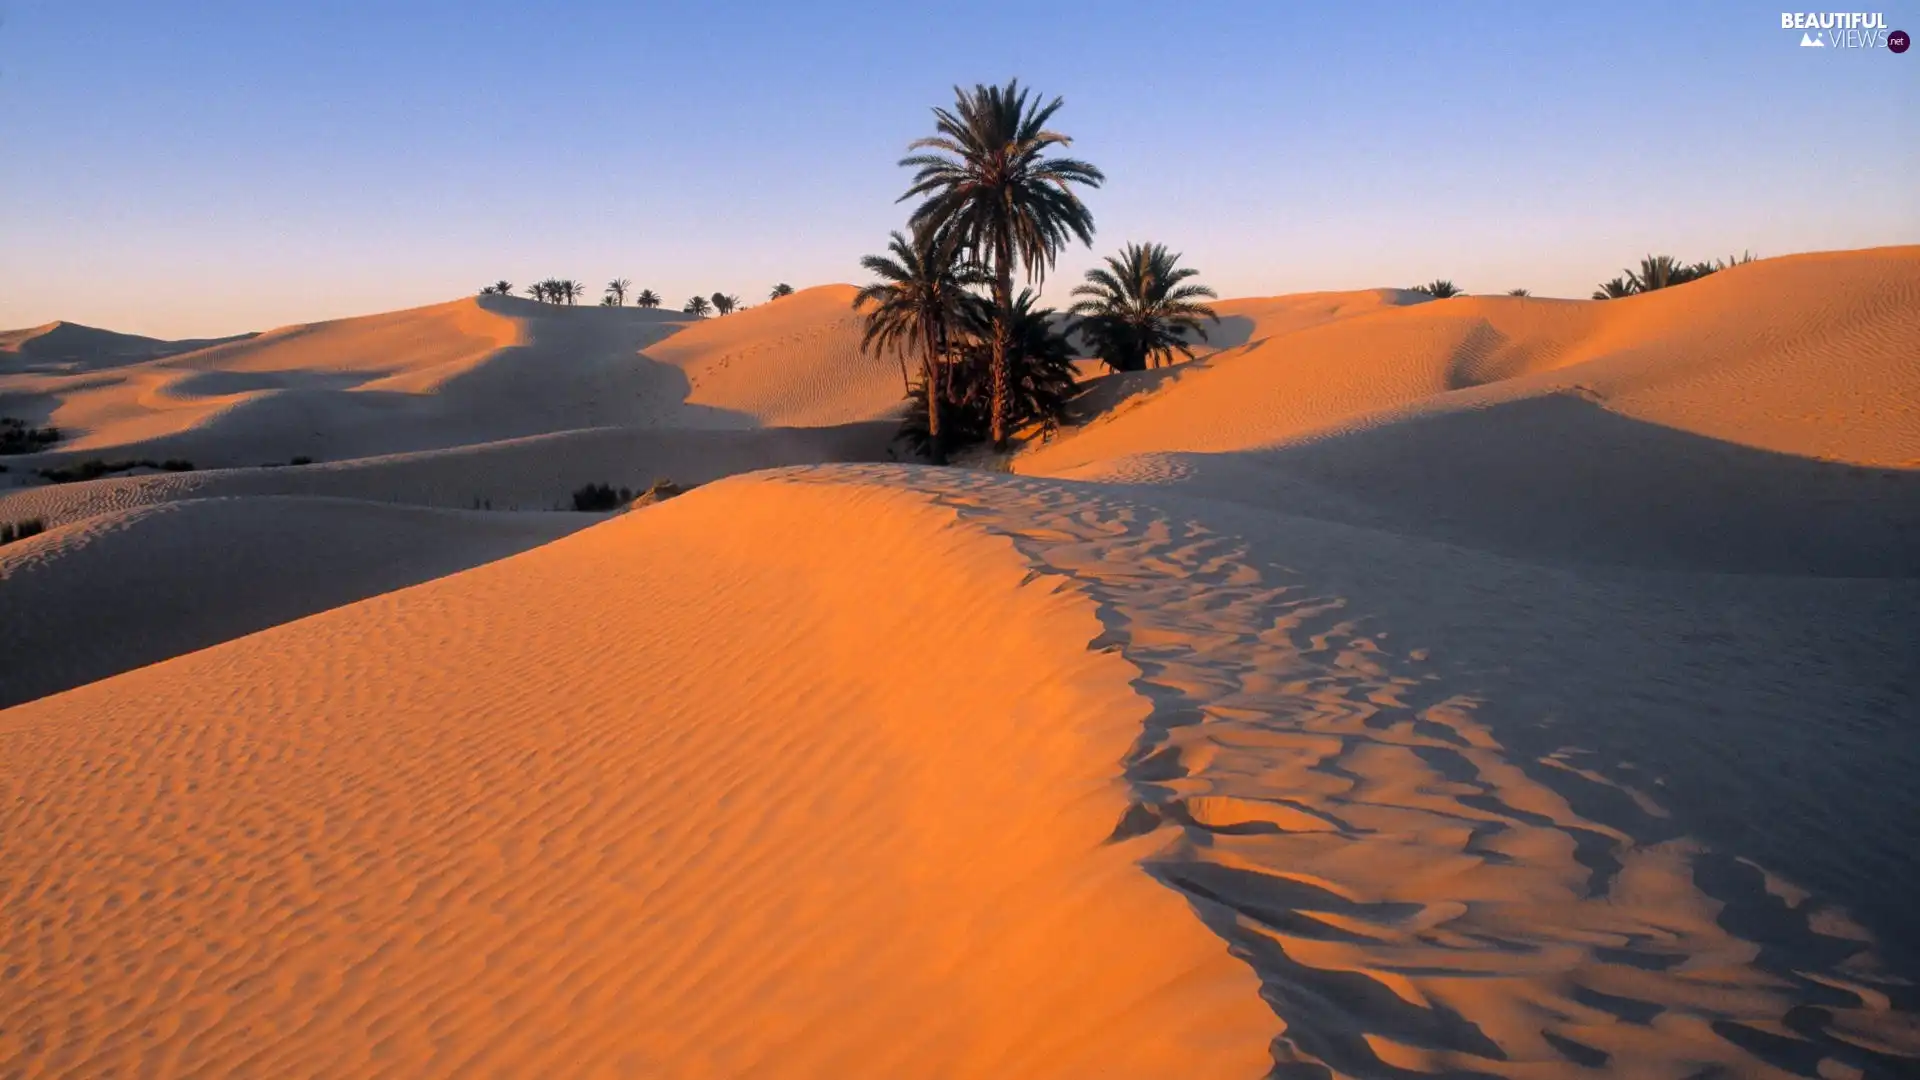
column 1414, row 902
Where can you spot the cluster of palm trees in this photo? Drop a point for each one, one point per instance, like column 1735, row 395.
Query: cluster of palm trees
column 1661, row 272
column 995, row 199
column 569, row 291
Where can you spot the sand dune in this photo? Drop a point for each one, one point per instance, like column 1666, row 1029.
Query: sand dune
column 1808, row 355
column 559, row 815
column 122, row 590
column 795, row 361
column 66, row 348
column 1479, row 687
column 471, row 371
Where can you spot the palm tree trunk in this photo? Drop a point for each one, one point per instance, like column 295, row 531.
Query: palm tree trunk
column 936, row 450
column 1002, row 330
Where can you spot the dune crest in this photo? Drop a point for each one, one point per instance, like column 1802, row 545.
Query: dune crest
column 559, row 815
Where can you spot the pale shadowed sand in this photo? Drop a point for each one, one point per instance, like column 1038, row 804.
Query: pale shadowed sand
column 1479, row 687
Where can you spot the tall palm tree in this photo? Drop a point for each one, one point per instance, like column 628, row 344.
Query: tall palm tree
column 986, row 178
column 647, row 299
column 780, row 290
column 698, row 307
column 617, row 291
column 725, row 304
column 921, row 302
column 1140, row 308
column 571, row 291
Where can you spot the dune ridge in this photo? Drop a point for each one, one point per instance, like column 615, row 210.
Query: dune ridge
column 464, row 828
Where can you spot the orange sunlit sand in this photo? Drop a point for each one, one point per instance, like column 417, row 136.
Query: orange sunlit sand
column 1492, row 686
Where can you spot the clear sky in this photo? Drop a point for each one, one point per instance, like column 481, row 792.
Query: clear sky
column 187, row 169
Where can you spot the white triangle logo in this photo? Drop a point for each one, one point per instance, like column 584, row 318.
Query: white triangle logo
column 1808, row 41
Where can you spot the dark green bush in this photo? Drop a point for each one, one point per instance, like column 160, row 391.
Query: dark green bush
column 17, row 438
column 599, row 498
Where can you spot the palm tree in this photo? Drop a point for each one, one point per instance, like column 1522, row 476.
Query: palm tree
column 486, row 290
column 647, row 299
column 1140, row 307
column 1660, row 272
column 725, row 304
column 987, row 180
column 921, row 302
column 1439, row 289
column 780, row 290
column 571, row 291
column 503, row 287
column 1615, row 289
column 1519, row 292
column 617, row 291
column 1040, row 379
column 697, row 307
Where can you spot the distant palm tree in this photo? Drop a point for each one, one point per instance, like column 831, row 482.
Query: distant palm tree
column 1615, row 289
column 571, row 291
column 698, row 307
column 617, row 291
column 1140, row 308
column 725, row 304
column 987, row 180
column 921, row 303
column 486, row 290
column 503, row 287
column 780, row 290
column 647, row 299
column 608, row 301
column 1519, row 292
column 1439, row 289
column 1661, row 272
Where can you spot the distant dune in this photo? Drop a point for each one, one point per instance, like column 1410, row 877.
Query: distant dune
column 1474, row 687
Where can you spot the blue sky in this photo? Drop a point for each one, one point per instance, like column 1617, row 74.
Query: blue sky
column 203, row 168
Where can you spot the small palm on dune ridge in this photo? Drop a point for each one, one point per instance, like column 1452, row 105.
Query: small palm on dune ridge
column 986, row 177
column 698, row 307
column 724, row 304
column 780, row 290
column 498, row 288
column 1141, row 308
column 647, row 299
column 617, row 291
column 922, row 303
column 1438, row 288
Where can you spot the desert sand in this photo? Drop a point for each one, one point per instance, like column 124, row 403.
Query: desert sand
column 1487, row 686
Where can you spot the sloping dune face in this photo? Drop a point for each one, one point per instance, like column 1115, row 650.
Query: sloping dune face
column 1763, row 420
column 795, row 361
column 118, row 590
column 1810, row 355
column 461, row 373
column 776, row 779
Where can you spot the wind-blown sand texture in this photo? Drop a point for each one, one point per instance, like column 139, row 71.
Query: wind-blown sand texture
column 1478, row 687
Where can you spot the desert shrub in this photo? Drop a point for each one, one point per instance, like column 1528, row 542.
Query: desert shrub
column 17, row 438
column 95, row 468
column 599, row 498
column 20, row 530
column 1439, row 289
